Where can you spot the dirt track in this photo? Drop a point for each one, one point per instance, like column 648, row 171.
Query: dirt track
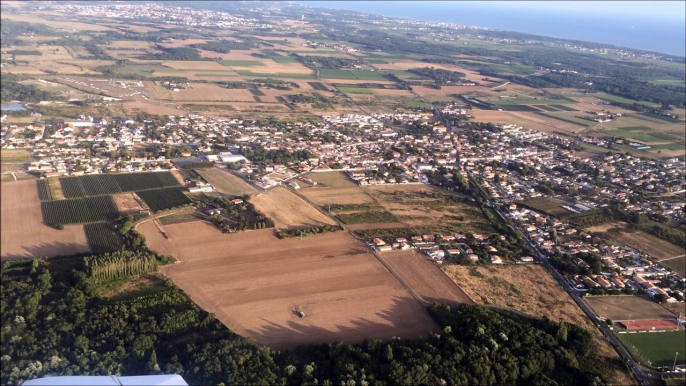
column 255, row 282
column 23, row 232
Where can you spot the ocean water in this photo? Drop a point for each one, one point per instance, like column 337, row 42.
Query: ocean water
column 640, row 32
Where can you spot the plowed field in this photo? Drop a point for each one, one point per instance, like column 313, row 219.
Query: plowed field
column 425, row 278
column 23, row 232
column 255, row 283
column 288, row 210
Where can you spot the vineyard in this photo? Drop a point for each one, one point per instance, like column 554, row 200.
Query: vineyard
column 82, row 210
column 101, row 238
column 119, row 264
column 44, row 190
column 160, row 199
column 104, row 184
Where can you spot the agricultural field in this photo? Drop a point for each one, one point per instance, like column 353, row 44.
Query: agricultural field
column 619, row 308
column 658, row 348
column 677, row 264
column 226, row 182
column 288, row 210
column 355, row 90
column 430, row 210
column 544, row 122
column 425, row 278
column 128, row 203
column 23, row 232
column 343, row 196
column 548, row 205
column 241, row 63
column 644, row 242
column 79, row 210
column 161, row 199
column 332, row 179
column 210, row 92
column 44, row 193
column 101, row 237
column 103, row 184
column 256, row 285
column 17, row 155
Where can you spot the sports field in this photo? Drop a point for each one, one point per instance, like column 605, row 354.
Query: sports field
column 659, row 348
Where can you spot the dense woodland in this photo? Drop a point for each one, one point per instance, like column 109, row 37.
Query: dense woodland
column 224, row 46
column 440, row 76
column 327, row 61
column 11, row 89
column 75, row 330
column 174, row 53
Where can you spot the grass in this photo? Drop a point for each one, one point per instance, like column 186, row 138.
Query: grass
column 563, row 107
column 615, row 98
column 548, row 205
column 657, row 347
column 547, row 108
column 318, row 86
column 367, row 75
column 241, row 63
column 370, row 217
column 273, row 74
column 676, row 265
column 633, row 135
column 336, row 74
column 563, row 119
column 177, row 217
column 529, row 101
column 19, row 155
column 519, row 108
column 355, row 90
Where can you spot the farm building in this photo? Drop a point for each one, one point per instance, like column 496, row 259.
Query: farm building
column 229, row 158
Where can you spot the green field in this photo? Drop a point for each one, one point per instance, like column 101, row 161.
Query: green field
column 273, row 74
column 657, row 347
column 565, row 119
column 367, row 75
column 529, row 101
column 614, row 98
column 563, row 107
column 335, row 74
column 519, row 108
column 147, row 70
column 282, row 59
column 628, row 134
column 241, row 63
column 355, row 90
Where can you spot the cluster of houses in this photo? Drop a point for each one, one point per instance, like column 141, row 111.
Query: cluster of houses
column 623, row 267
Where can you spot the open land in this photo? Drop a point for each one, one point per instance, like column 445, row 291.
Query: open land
column 23, row 232
column 342, row 196
column 255, row 285
column 640, row 240
column 288, row 210
column 128, row 203
column 532, row 290
column 427, row 209
column 332, row 179
column 425, row 278
column 625, row 307
column 226, row 182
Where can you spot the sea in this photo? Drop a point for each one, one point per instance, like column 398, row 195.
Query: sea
column 662, row 35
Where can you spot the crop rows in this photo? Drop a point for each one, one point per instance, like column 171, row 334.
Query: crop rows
column 44, row 190
column 101, row 238
column 104, row 184
column 160, row 199
column 81, row 210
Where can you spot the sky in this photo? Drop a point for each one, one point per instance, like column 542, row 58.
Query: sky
column 658, row 9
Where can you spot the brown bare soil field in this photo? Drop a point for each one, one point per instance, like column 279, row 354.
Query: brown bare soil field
column 128, row 203
column 271, row 66
column 425, row 278
column 153, row 108
column 226, row 182
column 527, row 120
column 532, row 290
column 195, row 65
column 343, row 196
column 625, row 307
column 211, row 92
column 378, row 225
column 447, row 90
column 23, row 232
column 69, row 25
column 255, row 283
column 179, row 177
column 288, row 210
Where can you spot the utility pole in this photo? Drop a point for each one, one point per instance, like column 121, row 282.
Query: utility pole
column 674, row 366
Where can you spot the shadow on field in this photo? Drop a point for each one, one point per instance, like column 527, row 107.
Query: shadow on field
column 48, row 250
column 405, row 319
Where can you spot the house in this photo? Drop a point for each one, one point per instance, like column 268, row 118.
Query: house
column 428, row 237
column 237, row 201
column 385, row 248
column 527, row 259
column 378, row 242
column 495, row 259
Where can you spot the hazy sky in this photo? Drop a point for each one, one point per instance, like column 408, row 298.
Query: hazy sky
column 663, row 9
